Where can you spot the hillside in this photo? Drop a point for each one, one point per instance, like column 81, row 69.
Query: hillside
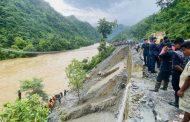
column 174, row 20
column 116, row 31
column 33, row 25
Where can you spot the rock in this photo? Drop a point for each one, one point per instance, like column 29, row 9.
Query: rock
column 87, row 77
column 105, row 74
column 134, row 86
column 143, row 100
column 99, row 73
column 122, row 86
column 125, row 77
column 150, row 103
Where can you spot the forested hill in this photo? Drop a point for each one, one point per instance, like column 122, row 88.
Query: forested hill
column 34, row 25
column 174, row 19
column 118, row 29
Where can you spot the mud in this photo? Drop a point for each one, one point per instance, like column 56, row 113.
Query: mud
column 49, row 67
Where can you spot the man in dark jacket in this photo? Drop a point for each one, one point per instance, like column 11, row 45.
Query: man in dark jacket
column 145, row 49
column 163, row 42
column 165, row 67
column 178, row 64
column 153, row 55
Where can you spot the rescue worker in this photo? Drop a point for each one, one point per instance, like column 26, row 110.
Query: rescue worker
column 153, row 55
column 177, row 69
column 145, row 50
column 165, row 67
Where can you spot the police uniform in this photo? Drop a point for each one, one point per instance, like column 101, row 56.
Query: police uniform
column 181, row 60
column 145, row 48
column 166, row 66
column 165, row 70
column 153, row 55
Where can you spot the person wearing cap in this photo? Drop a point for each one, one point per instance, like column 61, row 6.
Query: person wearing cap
column 145, row 50
column 153, row 55
column 165, row 67
column 163, row 42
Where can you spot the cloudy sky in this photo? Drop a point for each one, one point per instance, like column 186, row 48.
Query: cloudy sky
column 127, row 12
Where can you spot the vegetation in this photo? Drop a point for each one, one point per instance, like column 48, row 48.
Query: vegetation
column 26, row 110
column 105, row 28
column 32, row 87
column 65, row 116
column 76, row 71
column 32, row 25
column 173, row 19
column 98, row 58
column 76, row 75
column 118, row 29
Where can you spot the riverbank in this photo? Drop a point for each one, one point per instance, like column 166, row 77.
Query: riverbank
column 49, row 67
column 121, row 96
column 102, row 94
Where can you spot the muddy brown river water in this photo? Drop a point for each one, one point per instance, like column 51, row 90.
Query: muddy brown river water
column 49, row 67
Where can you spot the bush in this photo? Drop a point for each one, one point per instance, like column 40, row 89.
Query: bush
column 98, row 58
column 26, row 110
column 32, row 87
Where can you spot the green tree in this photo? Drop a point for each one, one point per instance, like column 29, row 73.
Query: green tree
column 44, row 45
column 105, row 27
column 30, row 109
column 102, row 46
column 29, row 47
column 32, row 87
column 20, row 43
column 76, row 75
column 56, row 44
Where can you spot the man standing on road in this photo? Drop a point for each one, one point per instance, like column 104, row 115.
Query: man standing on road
column 165, row 67
column 153, row 54
column 145, row 50
column 177, row 69
column 184, row 92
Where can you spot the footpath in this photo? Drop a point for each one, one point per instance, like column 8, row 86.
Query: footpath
column 147, row 106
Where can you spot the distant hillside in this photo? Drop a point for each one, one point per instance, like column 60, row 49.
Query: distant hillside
column 116, row 31
column 34, row 25
column 174, row 20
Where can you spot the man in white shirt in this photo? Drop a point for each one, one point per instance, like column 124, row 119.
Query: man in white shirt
column 184, row 92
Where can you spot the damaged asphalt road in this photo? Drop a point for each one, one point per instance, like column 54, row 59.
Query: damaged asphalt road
column 147, row 106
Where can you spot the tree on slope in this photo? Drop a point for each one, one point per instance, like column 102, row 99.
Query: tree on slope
column 76, row 75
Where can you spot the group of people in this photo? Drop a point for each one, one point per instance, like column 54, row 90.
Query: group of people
column 173, row 59
column 52, row 100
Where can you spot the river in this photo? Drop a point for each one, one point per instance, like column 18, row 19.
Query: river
column 50, row 68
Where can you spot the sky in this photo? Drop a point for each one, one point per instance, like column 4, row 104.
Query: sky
column 126, row 12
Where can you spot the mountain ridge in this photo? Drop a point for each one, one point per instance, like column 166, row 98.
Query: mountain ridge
column 36, row 22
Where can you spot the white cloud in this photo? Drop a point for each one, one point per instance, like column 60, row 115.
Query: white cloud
column 127, row 12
